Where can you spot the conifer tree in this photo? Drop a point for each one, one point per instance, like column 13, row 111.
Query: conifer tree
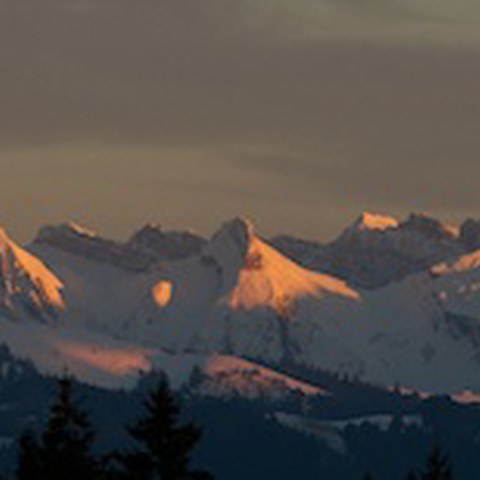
column 29, row 456
column 64, row 451
column 164, row 445
column 438, row 466
column 412, row 476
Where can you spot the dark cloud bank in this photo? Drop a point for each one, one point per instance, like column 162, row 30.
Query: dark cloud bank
column 220, row 114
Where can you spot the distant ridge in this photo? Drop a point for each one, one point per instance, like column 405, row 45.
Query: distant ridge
column 388, row 301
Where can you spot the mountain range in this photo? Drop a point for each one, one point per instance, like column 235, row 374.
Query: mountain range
column 393, row 303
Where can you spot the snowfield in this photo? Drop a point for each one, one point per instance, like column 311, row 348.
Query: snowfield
column 109, row 312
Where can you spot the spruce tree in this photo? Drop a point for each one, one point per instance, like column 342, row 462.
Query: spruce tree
column 163, row 444
column 438, row 466
column 64, row 451
column 29, row 456
column 412, row 476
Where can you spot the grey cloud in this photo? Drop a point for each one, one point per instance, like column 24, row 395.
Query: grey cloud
column 175, row 72
column 386, row 9
column 339, row 124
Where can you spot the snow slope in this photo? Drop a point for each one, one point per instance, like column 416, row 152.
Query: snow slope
column 236, row 295
column 229, row 375
column 26, row 283
column 112, row 363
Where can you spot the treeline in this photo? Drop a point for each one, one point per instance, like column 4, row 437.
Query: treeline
column 437, row 467
column 161, row 444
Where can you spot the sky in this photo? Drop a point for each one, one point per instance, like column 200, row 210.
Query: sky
column 299, row 114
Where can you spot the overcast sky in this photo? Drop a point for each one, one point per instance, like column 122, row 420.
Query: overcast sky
column 297, row 113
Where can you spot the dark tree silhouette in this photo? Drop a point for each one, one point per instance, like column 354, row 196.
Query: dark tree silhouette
column 412, row 476
column 164, row 445
column 437, row 468
column 29, row 456
column 64, row 451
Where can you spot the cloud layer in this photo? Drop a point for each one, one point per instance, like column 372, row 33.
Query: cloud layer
column 297, row 113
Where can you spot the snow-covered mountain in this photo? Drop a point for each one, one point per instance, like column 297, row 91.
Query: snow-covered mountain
column 141, row 252
column 27, row 286
column 239, row 296
column 165, row 245
column 165, row 298
column 377, row 249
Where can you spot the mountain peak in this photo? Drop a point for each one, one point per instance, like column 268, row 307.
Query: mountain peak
column 375, row 221
column 419, row 223
column 26, row 279
column 79, row 229
column 429, row 226
column 255, row 275
column 267, row 278
column 148, row 229
column 161, row 244
column 240, row 230
column 67, row 229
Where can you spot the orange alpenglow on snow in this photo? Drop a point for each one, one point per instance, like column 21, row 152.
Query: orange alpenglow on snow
column 15, row 258
column 470, row 261
column 376, row 221
column 116, row 361
column 268, row 278
column 162, row 293
column 467, row 398
column 242, row 375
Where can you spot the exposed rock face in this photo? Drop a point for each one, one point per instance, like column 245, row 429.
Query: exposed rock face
column 173, row 245
column 470, row 234
column 377, row 250
column 238, row 295
column 142, row 252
